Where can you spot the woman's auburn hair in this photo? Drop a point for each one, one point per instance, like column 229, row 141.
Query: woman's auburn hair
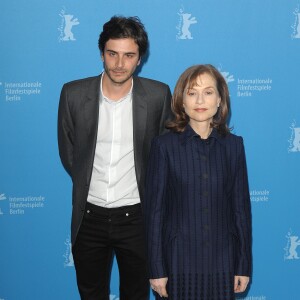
column 187, row 80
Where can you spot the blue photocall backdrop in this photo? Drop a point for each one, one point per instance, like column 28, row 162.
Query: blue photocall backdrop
column 255, row 44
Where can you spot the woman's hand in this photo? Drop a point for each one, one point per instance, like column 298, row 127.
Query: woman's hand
column 240, row 283
column 159, row 286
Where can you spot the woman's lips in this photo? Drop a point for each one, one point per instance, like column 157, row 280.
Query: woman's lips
column 200, row 109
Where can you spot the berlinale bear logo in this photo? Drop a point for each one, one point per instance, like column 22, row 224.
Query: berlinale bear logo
column 227, row 76
column 291, row 247
column 67, row 23
column 69, row 262
column 2, row 197
column 294, row 140
column 296, row 25
column 184, row 24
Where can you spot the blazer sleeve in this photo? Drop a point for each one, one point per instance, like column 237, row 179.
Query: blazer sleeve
column 242, row 216
column 155, row 190
column 65, row 128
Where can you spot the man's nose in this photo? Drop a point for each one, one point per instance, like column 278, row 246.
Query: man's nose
column 120, row 62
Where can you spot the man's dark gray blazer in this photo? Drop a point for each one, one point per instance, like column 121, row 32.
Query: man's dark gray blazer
column 77, row 132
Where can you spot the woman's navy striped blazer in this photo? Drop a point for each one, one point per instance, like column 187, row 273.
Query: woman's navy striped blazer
column 197, row 214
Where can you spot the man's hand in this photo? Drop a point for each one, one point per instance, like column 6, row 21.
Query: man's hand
column 159, row 286
column 240, row 283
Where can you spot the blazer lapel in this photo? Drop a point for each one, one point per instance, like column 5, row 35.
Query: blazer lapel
column 91, row 106
column 139, row 116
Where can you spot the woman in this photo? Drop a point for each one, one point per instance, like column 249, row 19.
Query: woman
column 197, row 204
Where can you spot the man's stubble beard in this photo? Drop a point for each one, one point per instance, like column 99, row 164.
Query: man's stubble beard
column 122, row 81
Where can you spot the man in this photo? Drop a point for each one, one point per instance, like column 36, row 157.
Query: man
column 105, row 127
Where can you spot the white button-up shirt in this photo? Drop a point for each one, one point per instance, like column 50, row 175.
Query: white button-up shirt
column 113, row 182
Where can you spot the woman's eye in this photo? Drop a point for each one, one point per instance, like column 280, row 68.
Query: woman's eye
column 191, row 93
column 209, row 92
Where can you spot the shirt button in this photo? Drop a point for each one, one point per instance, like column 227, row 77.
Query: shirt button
column 127, row 214
column 109, row 220
column 205, row 210
column 88, row 211
column 205, row 176
column 205, row 193
column 203, row 157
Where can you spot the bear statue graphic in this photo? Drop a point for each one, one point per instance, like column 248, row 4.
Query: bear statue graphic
column 69, row 262
column 297, row 35
column 294, row 141
column 184, row 27
column 69, row 23
column 296, row 24
column 291, row 247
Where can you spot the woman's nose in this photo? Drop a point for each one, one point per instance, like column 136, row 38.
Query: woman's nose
column 199, row 99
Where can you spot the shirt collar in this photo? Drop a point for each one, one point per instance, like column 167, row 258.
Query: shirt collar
column 103, row 97
column 188, row 134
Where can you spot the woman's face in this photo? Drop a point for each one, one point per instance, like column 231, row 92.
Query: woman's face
column 201, row 102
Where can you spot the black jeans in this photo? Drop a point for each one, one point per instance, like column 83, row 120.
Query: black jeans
column 103, row 232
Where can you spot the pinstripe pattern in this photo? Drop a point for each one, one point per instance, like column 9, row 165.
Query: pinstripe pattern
column 197, row 214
